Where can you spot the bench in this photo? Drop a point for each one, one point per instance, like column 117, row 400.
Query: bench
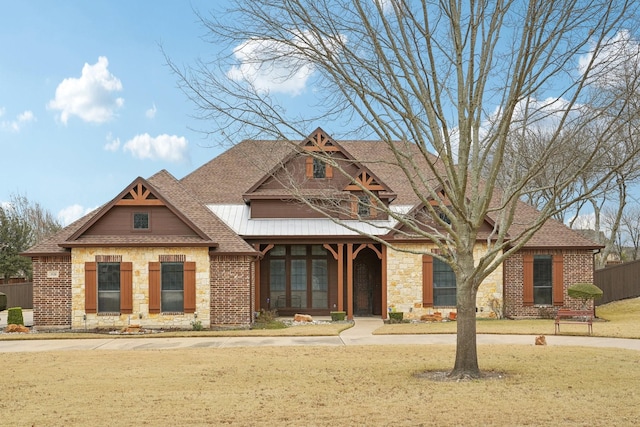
column 566, row 316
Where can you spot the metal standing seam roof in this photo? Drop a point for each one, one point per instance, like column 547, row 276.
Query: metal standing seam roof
column 238, row 218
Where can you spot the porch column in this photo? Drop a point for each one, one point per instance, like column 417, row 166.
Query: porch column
column 340, row 277
column 257, row 279
column 384, row 282
column 350, row 281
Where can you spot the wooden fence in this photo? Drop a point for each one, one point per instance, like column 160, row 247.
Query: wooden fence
column 618, row 282
column 18, row 294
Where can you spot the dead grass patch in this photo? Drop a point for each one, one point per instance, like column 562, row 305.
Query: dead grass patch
column 618, row 319
column 360, row 385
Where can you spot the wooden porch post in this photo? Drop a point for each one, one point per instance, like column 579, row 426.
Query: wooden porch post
column 257, row 279
column 384, row 282
column 350, row 281
column 341, row 277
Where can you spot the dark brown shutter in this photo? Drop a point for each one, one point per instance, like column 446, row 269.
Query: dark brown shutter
column 328, row 171
column 527, row 290
column 309, row 167
column 189, row 287
column 90, row 287
column 154, row 287
column 126, row 288
column 558, row 280
column 427, row 281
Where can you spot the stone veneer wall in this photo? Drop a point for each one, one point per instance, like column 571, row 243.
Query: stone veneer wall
column 577, row 268
column 232, row 301
column 140, row 258
column 52, row 292
column 404, row 283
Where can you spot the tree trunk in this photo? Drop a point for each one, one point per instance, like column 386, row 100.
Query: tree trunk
column 466, row 364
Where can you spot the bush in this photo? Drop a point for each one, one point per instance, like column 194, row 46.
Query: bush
column 14, row 316
column 3, row 301
column 266, row 319
column 396, row 317
column 584, row 291
column 338, row 316
column 197, row 325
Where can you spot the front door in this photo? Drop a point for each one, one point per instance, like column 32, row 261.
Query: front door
column 367, row 282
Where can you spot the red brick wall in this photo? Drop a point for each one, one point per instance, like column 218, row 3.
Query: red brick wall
column 232, row 290
column 52, row 295
column 577, row 268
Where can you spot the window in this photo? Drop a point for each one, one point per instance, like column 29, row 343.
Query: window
column 319, row 168
column 172, row 282
column 108, row 287
column 172, row 285
column 364, row 208
column 438, row 283
column 298, row 277
column 542, row 280
column 141, row 221
column 444, row 284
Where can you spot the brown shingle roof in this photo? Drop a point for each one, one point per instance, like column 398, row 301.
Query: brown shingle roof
column 212, row 232
column 226, row 178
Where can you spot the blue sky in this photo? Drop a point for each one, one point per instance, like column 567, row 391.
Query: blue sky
column 87, row 103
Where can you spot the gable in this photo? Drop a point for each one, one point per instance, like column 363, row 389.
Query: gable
column 138, row 214
column 310, row 172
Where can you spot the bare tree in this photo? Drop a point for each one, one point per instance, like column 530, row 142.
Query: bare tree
column 22, row 225
column 456, row 79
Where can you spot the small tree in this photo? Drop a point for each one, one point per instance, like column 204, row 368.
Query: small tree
column 585, row 292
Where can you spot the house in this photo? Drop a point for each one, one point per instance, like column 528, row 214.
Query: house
column 232, row 238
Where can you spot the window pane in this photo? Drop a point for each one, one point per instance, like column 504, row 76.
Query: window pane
column 109, row 276
column 141, row 221
column 542, row 280
column 172, row 296
column 109, row 287
column 277, row 283
column 444, row 284
column 278, row 250
column 319, row 283
column 299, row 283
column 319, row 168
column 172, row 276
column 298, row 250
column 108, row 301
column 363, row 206
column 318, row 250
column 172, row 301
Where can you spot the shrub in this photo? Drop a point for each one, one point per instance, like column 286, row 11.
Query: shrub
column 338, row 316
column 266, row 319
column 197, row 325
column 14, row 317
column 266, row 316
column 396, row 317
column 3, row 301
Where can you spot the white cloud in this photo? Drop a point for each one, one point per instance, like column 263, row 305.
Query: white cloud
column 112, row 143
column 71, row 213
column 151, row 112
column 21, row 120
column 162, row 147
column 90, row 97
column 276, row 67
column 617, row 60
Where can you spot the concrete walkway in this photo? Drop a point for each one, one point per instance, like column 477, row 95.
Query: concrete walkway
column 360, row 334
